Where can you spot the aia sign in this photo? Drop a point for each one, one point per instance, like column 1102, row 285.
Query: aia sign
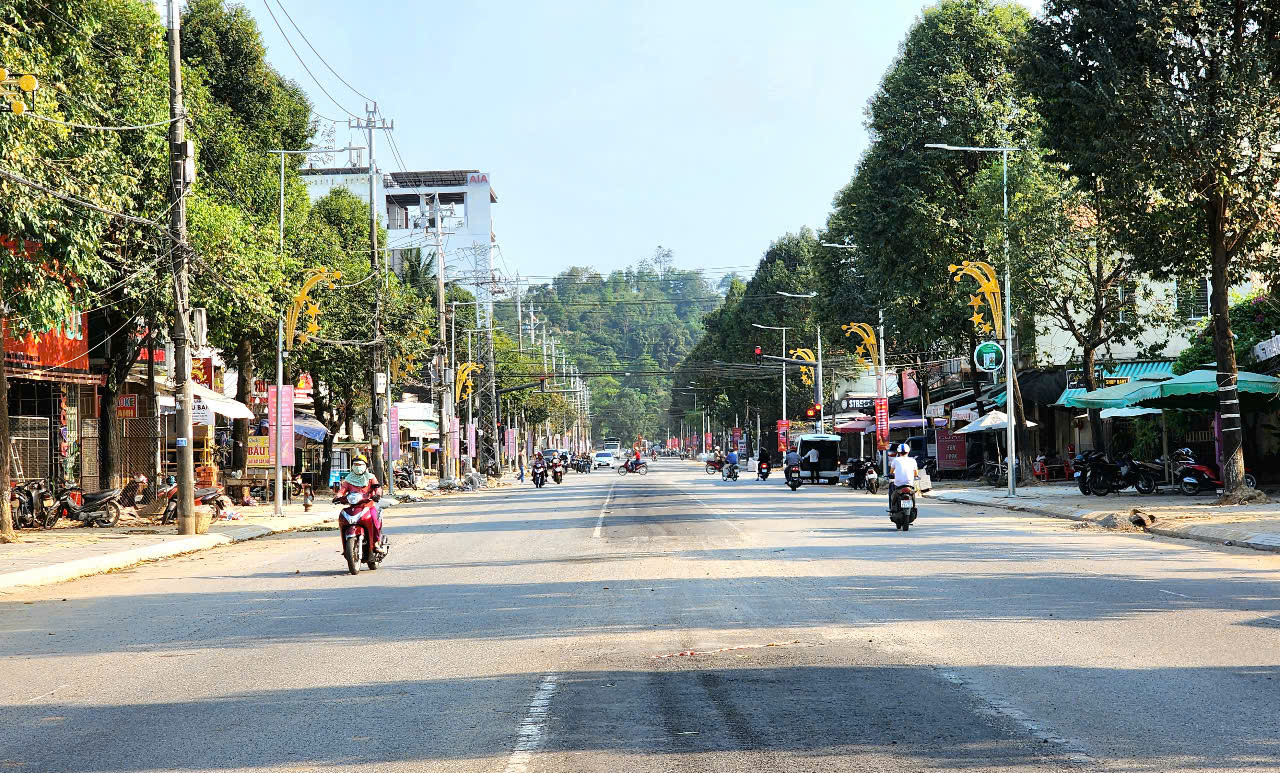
column 477, row 178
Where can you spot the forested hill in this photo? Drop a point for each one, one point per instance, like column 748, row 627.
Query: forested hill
column 628, row 330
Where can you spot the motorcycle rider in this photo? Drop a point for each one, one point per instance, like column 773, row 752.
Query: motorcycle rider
column 360, row 480
column 792, row 459
column 730, row 464
column 539, row 465
column 904, row 469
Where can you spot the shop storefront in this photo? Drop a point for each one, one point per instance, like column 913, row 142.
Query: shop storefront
column 52, row 406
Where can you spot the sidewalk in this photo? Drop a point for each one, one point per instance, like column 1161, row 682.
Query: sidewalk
column 56, row 555
column 1169, row 515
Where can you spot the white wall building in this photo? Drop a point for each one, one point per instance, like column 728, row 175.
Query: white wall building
column 405, row 204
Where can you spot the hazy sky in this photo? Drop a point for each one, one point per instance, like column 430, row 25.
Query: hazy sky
column 611, row 127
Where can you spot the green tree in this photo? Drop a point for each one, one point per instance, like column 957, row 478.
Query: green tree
column 1175, row 106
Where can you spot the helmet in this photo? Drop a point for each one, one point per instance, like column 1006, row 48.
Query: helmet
column 903, row 448
column 360, row 458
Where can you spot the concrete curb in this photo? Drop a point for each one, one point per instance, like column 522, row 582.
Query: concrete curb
column 84, row 567
column 1225, row 535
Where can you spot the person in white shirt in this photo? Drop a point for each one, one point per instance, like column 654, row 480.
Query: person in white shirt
column 812, row 458
column 904, row 470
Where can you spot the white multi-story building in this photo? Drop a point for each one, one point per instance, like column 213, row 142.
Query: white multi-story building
column 405, row 202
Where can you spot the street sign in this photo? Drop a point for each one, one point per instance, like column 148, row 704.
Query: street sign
column 854, row 403
column 989, row 356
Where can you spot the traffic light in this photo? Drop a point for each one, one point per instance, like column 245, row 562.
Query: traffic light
column 811, row 412
column 758, row 353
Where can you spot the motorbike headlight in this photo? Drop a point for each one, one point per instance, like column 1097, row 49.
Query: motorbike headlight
column 354, row 497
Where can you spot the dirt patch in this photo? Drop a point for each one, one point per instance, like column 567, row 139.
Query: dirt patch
column 1245, row 496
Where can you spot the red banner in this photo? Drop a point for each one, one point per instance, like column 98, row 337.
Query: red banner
column 784, row 429
column 882, row 420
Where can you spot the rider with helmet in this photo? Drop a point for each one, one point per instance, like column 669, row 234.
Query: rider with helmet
column 904, row 470
column 362, row 482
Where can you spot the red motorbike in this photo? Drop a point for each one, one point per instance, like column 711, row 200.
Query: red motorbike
column 1194, row 477
column 359, row 526
column 714, row 466
column 203, row 496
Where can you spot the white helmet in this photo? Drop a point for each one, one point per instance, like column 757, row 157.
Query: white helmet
column 903, row 448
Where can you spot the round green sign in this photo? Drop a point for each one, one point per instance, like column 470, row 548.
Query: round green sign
column 988, row 356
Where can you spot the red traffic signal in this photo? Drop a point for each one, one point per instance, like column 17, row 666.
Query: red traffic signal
column 811, row 412
column 758, row 353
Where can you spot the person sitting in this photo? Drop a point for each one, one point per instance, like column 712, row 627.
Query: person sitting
column 730, row 461
column 904, row 469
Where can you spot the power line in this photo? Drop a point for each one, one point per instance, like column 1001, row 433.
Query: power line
column 321, row 58
column 74, row 125
column 81, row 202
column 298, row 56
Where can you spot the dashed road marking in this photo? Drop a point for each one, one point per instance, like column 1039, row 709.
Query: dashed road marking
column 531, row 729
column 1171, row 593
column 600, row 520
column 47, row 694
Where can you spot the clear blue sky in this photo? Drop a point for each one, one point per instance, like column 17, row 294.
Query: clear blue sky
column 611, row 127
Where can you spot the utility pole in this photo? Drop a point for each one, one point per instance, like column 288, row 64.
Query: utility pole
column 377, row 420
column 817, row 387
column 880, row 386
column 519, row 319
column 181, row 170
column 446, row 392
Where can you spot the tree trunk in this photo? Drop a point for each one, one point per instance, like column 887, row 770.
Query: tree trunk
column 244, row 392
column 1091, row 384
column 326, row 462
column 1021, row 434
column 1225, row 351
column 123, row 346
column 6, row 514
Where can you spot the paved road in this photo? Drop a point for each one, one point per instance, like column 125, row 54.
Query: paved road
column 524, row 630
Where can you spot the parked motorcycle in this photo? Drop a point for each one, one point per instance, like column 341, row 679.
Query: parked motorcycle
column 101, row 508
column 355, row 522
column 863, row 475
column 1106, row 476
column 1194, row 476
column 638, row 467
column 792, row 474
column 762, row 471
column 1081, row 464
column 403, row 479
column 203, row 496
column 902, row 515
column 32, row 505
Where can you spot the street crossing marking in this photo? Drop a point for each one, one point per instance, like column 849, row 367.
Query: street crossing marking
column 535, row 719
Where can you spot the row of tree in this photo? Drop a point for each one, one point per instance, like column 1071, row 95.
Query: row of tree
column 84, row 176
column 1147, row 141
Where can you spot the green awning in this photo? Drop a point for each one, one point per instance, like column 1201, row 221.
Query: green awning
column 1198, row 391
column 1129, row 371
column 1119, row 396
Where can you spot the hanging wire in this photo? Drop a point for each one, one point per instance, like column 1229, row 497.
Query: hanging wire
column 104, row 128
column 304, row 64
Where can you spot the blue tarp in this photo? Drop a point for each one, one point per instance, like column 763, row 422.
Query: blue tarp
column 309, row 427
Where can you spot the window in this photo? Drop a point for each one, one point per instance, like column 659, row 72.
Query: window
column 1126, row 293
column 1193, row 299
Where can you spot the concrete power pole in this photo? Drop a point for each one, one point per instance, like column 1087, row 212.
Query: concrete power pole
column 377, row 410
column 181, row 170
column 446, row 392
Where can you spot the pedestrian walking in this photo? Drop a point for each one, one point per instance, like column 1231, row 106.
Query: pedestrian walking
column 520, row 463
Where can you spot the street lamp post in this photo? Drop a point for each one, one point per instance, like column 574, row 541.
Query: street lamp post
column 1008, row 304
column 282, row 154
column 784, row 362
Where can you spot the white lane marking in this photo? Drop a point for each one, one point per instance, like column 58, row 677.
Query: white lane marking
column 603, row 507
column 1171, row 593
column 46, row 695
column 535, row 719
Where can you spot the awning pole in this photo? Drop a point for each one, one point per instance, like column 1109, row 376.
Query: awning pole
column 1164, row 444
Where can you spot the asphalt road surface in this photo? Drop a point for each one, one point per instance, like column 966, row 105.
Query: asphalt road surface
column 671, row 622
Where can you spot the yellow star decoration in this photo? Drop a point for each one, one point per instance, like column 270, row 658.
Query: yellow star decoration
column 977, row 319
column 975, row 301
column 986, row 328
column 861, row 350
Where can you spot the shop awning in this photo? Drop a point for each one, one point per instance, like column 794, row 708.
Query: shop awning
column 421, row 428
column 220, row 403
column 1121, row 374
column 1198, row 391
column 309, row 427
column 1118, row 396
